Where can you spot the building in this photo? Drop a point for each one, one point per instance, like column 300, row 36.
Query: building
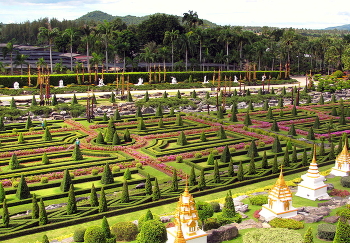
column 342, row 163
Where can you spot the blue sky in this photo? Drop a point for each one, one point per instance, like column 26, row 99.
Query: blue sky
column 278, row 13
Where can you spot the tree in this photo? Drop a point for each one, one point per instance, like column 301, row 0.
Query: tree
column 266, row 105
column 294, row 158
column 93, row 196
column 20, row 138
column 304, row 159
column 152, row 231
column 286, row 158
column 311, row 134
column 182, row 140
column 45, row 159
column 13, row 104
column 77, row 155
column 252, row 151
column 269, row 114
column 127, row 137
column 110, row 131
column 274, row 168
column 125, row 193
column 331, row 154
column 72, row 204
column 264, row 163
column 343, row 226
column 156, row 191
column 138, row 113
column 45, row 239
column 102, row 205
column 247, row 121
column 5, row 215
column 317, row 123
column 22, row 189
column 117, row 115
column 276, row 146
column 240, row 172
column 216, row 172
column 47, row 135
column 159, row 111
column 211, row 159
column 294, row 111
column 129, row 97
column 205, row 211
column 2, row 193
column 308, row 238
column 66, row 181
column 192, row 180
column 49, row 34
column 127, row 174
column 178, row 94
column 71, row 33
column 14, row 163
column 29, row 123
column 226, row 155
column 202, row 184
column 141, row 125
column 221, row 133
column 233, row 117
column 54, row 100
column 171, row 36
column 178, row 121
column 94, row 234
column 148, row 185
column 42, row 213
column 252, row 169
column 191, row 20
column 105, row 227
column 220, row 113
column 146, row 98
column 174, row 182
column 228, row 210
column 2, row 125
column 35, row 207
column 292, row 131
column 231, row 171
column 274, row 126
column 107, row 176
column 99, row 138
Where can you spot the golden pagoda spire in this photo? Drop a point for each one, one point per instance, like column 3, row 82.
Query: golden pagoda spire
column 179, row 238
column 313, row 168
column 280, row 181
column 314, row 155
column 280, row 190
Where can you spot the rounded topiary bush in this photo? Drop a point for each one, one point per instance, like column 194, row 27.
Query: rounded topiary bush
column 115, row 169
column 326, row 231
column 286, row 223
column 277, row 235
column 216, row 206
column 79, row 235
column 345, row 181
column 258, row 200
column 124, row 231
column 211, row 223
column 94, row 234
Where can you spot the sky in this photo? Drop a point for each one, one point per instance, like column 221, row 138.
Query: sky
column 309, row 14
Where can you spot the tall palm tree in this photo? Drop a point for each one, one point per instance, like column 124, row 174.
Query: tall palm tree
column 9, row 47
column 149, row 53
column 41, row 64
column 49, row 34
column 105, row 30
column 71, row 33
column 20, row 60
column 163, row 53
column 191, row 19
column 171, row 36
column 225, row 35
column 87, row 32
column 199, row 35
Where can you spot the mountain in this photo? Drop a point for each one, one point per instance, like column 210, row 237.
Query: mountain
column 342, row 27
column 99, row 16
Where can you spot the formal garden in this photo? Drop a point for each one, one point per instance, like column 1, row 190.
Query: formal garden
column 118, row 164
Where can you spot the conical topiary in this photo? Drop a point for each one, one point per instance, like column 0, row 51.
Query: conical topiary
column 317, row 123
column 220, row 113
column 112, row 98
column 2, row 125
column 116, row 115
column 226, row 155
column 178, row 94
column 13, row 104
column 138, row 112
column 311, row 134
column 160, row 123
column 20, row 138
column 146, row 98
column 292, row 130
column 129, row 97
column 29, row 123
column 102, row 205
column 72, row 204
column 66, row 181
column 127, row 136
column 5, row 215
column 22, row 189
column 141, row 126
column 116, row 139
column 174, row 182
column 216, row 172
column 274, row 126
column 99, row 138
column 202, row 183
column 42, row 213
column 192, row 180
column 54, row 101
column 211, row 159
column 247, row 121
column 269, row 114
column 47, row 135
column 2, row 193
column 125, row 193
column 33, row 103
column 181, row 140
column 203, row 138
column 276, row 146
column 253, row 150
column 178, row 121
column 294, row 158
column 221, row 133
column 286, row 158
column 264, row 163
column 156, row 191
column 45, row 159
column 77, row 155
column 14, row 162
column 107, row 176
column 274, row 168
column 159, row 111
column 148, row 185
column 240, row 172
column 74, row 100
column 35, row 207
column 93, row 196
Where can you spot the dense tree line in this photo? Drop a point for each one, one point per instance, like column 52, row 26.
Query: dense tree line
column 187, row 44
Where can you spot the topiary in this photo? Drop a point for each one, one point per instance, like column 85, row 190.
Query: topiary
column 276, row 235
column 345, row 181
column 215, row 206
column 326, row 231
column 94, row 234
column 286, row 223
column 152, row 231
column 124, row 231
column 78, row 235
column 258, row 200
column 211, row 223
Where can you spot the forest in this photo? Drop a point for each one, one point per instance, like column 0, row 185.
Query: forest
column 186, row 43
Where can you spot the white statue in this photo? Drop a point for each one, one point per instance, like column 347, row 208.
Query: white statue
column 100, row 82
column 235, row 80
column 60, row 84
column 263, row 78
column 205, row 80
column 16, row 85
column 140, row 82
column 173, row 80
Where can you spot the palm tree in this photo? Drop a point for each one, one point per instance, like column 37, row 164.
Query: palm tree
column 199, row 35
column 225, row 35
column 2, row 67
column 96, row 60
column 20, row 60
column 87, row 34
column 191, row 19
column 163, row 53
column 9, row 47
column 71, row 33
column 49, row 34
column 171, row 36
column 41, row 63
column 149, row 54
column 105, row 32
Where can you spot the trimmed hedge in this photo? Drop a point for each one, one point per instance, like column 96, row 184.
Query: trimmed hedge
column 345, row 181
column 326, row 231
column 286, row 223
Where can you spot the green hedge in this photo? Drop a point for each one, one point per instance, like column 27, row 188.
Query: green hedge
column 326, row 231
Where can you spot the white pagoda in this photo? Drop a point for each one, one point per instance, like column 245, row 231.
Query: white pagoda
column 279, row 201
column 342, row 163
column 186, row 228
column 312, row 187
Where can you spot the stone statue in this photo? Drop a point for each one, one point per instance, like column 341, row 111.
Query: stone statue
column 140, row 82
column 100, row 82
column 16, row 85
column 205, row 80
column 60, row 84
column 263, row 78
column 173, row 80
column 235, row 80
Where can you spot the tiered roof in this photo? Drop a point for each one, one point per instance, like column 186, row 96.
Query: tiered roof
column 313, row 171
column 280, row 190
column 344, row 156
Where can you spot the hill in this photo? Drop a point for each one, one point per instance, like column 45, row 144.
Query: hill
column 342, row 27
column 99, row 16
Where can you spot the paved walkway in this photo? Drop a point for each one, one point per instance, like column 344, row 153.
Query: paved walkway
column 301, row 80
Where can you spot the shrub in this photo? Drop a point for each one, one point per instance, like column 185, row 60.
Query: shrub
column 115, row 168
column 152, row 231
column 94, row 172
column 44, row 180
column 272, row 235
column 139, row 165
column 215, row 152
column 94, row 234
column 224, row 220
column 345, row 181
column 326, row 231
column 286, row 223
column 339, row 193
column 78, row 235
column 258, row 200
column 198, row 155
column 216, row 206
column 179, row 159
column 211, row 223
column 124, row 231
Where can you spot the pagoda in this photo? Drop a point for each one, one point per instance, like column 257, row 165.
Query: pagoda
column 342, row 162
column 186, row 228
column 312, row 187
column 279, row 201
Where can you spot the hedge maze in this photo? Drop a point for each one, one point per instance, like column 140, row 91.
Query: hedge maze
column 113, row 166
